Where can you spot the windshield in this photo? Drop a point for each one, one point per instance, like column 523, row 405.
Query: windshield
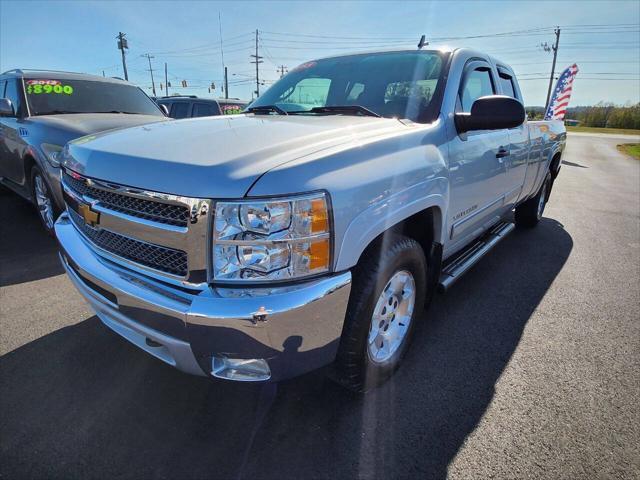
column 49, row 97
column 394, row 84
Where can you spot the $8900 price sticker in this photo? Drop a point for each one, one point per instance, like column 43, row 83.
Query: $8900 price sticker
column 37, row 87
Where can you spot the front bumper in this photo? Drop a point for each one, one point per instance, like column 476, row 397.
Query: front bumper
column 295, row 329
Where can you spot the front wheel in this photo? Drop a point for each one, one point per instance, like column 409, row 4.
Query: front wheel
column 44, row 201
column 388, row 294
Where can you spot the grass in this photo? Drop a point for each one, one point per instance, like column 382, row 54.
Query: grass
column 632, row 149
column 623, row 131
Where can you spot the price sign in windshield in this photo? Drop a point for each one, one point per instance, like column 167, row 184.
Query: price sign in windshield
column 231, row 109
column 37, row 87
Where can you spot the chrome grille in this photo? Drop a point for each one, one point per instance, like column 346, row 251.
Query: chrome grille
column 147, row 209
column 160, row 258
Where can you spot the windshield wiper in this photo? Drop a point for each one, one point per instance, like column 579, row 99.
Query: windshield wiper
column 347, row 109
column 57, row 112
column 119, row 111
column 266, row 109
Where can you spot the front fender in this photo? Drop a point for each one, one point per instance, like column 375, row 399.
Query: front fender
column 384, row 214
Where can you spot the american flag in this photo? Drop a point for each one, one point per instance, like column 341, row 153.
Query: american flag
column 561, row 94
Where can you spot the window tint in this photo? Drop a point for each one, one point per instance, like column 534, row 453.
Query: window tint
column 52, row 96
column 506, row 82
column 394, row 84
column 354, row 92
column 179, row 110
column 205, row 110
column 310, row 92
column 2, row 84
column 12, row 93
column 406, row 99
column 477, row 84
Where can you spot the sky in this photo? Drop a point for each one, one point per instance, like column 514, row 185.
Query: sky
column 603, row 38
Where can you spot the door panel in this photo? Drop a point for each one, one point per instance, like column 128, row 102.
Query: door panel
column 13, row 145
column 477, row 167
column 477, row 177
column 516, row 163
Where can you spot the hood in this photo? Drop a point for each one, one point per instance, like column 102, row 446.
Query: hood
column 215, row 157
column 80, row 124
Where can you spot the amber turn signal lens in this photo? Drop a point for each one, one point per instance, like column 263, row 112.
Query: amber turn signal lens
column 319, row 216
column 319, row 254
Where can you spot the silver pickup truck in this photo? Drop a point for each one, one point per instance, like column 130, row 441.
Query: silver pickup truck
column 313, row 229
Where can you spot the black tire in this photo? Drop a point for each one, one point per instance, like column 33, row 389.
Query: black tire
column 354, row 367
column 36, row 175
column 529, row 213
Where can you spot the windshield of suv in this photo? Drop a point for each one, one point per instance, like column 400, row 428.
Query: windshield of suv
column 394, row 84
column 50, row 97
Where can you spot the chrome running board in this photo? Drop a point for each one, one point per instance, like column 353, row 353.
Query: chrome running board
column 471, row 255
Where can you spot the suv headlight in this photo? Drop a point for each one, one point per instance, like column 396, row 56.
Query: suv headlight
column 53, row 153
column 271, row 239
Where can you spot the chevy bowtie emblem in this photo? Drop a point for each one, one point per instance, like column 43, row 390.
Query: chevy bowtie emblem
column 90, row 217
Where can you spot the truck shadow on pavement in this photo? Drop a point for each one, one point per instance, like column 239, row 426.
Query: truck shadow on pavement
column 27, row 252
column 81, row 402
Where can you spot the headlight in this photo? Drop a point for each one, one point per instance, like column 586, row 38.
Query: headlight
column 52, row 152
column 271, row 239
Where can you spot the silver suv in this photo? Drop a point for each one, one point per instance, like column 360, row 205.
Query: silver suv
column 41, row 110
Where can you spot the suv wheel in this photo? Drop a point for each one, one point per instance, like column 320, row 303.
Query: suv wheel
column 43, row 200
column 388, row 293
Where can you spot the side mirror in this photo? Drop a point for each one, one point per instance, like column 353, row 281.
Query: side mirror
column 492, row 112
column 6, row 108
column 164, row 109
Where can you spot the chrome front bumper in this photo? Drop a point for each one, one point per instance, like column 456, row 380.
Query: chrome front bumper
column 295, row 329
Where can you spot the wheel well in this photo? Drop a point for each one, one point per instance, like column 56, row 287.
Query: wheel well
column 555, row 164
column 424, row 227
column 29, row 163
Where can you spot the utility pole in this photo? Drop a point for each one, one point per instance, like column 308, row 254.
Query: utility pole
column 282, row 69
column 258, row 60
column 166, row 81
column 226, row 83
column 153, row 84
column 553, row 65
column 122, row 44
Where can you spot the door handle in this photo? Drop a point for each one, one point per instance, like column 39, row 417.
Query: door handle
column 502, row 153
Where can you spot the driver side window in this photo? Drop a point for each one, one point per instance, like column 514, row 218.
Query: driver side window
column 478, row 83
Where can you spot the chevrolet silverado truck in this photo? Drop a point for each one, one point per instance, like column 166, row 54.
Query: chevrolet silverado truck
column 313, row 229
column 42, row 110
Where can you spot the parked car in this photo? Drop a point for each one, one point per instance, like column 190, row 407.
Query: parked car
column 187, row 106
column 313, row 229
column 41, row 110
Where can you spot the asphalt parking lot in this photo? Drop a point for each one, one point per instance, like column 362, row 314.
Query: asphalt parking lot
column 529, row 367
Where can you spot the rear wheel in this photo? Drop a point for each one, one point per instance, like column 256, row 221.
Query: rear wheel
column 388, row 294
column 43, row 198
column 529, row 213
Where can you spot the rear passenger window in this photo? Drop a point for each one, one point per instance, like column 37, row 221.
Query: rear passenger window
column 477, row 84
column 506, row 82
column 179, row 110
column 204, row 110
